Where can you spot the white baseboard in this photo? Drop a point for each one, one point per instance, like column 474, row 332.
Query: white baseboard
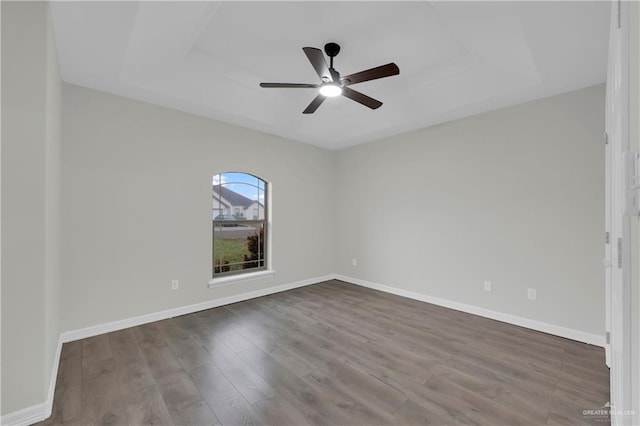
column 52, row 379
column 70, row 336
column 39, row 412
column 580, row 336
column 26, row 416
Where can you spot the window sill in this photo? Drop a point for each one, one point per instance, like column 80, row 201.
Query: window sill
column 219, row 282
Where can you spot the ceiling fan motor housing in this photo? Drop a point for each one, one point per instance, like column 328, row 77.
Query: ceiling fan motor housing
column 331, row 49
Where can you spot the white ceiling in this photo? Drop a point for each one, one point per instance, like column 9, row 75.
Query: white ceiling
column 456, row 58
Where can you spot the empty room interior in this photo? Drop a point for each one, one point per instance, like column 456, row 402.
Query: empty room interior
column 320, row 213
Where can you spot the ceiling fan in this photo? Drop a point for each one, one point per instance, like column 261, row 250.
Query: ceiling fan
column 332, row 84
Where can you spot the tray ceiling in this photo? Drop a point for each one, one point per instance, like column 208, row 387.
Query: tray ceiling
column 456, row 58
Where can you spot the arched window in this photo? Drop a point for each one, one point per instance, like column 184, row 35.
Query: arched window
column 240, row 215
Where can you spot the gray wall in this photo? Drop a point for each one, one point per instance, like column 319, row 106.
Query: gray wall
column 137, row 206
column 31, row 92
column 514, row 196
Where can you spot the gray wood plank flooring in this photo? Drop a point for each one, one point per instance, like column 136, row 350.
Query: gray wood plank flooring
column 329, row 354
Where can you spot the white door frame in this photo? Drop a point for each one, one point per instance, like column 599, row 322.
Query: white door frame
column 617, row 213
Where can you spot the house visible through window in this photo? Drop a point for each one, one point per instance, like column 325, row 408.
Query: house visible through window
column 239, row 223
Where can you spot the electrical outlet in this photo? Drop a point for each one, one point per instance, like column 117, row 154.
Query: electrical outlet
column 487, row 286
column 354, row 262
column 532, row 294
column 175, row 284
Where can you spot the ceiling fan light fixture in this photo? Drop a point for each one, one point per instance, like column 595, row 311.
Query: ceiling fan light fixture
column 330, row 90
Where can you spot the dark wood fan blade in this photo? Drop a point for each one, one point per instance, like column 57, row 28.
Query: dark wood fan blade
column 361, row 98
column 316, row 58
column 372, row 74
column 315, row 103
column 291, row 85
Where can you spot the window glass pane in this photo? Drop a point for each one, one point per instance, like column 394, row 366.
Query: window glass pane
column 232, row 178
column 216, row 198
column 258, row 204
column 238, row 247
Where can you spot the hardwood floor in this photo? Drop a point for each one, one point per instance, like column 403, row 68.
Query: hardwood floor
column 331, row 354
